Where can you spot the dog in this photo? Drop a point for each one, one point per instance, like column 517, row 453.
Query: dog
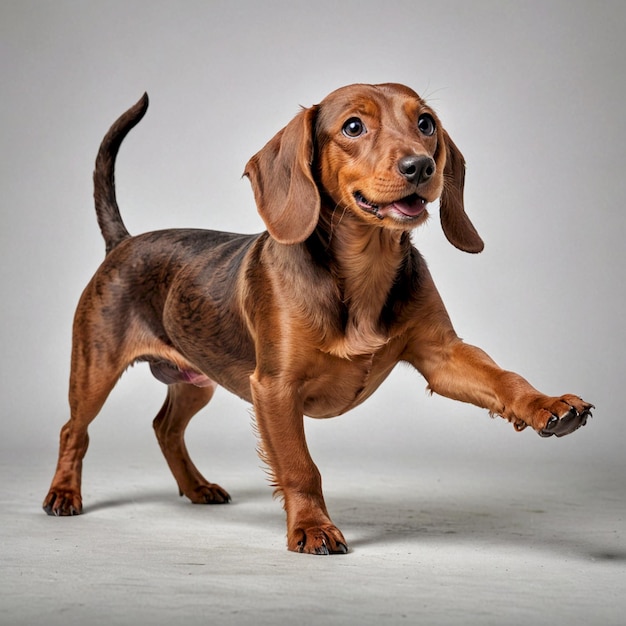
column 306, row 318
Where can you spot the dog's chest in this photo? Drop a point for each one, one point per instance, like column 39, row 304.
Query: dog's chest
column 335, row 387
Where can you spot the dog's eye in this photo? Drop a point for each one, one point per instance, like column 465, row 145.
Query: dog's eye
column 354, row 127
column 426, row 124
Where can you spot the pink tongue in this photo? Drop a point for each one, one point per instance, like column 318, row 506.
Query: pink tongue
column 409, row 206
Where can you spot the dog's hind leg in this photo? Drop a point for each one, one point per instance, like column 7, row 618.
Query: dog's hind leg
column 183, row 401
column 92, row 378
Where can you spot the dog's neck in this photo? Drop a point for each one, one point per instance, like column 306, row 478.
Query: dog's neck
column 366, row 261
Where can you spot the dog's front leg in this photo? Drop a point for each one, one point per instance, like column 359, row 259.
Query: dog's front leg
column 280, row 421
column 463, row 372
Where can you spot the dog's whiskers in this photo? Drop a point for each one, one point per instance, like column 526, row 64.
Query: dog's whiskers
column 332, row 222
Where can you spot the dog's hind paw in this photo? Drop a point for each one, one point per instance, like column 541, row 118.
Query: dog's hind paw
column 209, row 493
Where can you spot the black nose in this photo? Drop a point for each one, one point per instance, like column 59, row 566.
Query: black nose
column 416, row 169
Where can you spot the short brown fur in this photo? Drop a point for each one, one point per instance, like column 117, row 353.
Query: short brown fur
column 307, row 318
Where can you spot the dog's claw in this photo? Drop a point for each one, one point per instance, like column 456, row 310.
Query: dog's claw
column 340, row 548
column 209, row 493
column 323, row 541
column 61, row 506
column 550, row 425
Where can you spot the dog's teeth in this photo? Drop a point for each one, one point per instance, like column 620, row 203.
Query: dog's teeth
column 361, row 199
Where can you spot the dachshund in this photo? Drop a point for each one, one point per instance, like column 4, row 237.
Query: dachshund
column 306, row 318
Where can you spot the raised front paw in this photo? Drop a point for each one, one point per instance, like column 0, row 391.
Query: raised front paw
column 326, row 539
column 558, row 416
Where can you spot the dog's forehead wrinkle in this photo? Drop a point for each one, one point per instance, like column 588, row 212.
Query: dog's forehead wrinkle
column 380, row 110
column 367, row 99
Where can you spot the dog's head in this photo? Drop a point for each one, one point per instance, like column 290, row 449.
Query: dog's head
column 376, row 150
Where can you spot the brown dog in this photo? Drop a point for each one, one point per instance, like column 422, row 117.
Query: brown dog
column 307, row 318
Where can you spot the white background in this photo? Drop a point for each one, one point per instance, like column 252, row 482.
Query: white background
column 532, row 93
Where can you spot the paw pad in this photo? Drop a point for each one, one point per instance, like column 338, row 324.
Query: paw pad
column 567, row 424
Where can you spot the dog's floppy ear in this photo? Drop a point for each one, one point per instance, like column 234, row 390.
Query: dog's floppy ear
column 457, row 227
column 286, row 195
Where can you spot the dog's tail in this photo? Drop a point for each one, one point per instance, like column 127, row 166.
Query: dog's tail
column 107, row 211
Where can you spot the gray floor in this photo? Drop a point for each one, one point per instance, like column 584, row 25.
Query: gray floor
column 483, row 542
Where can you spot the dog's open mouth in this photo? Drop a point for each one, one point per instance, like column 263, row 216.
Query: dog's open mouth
column 409, row 207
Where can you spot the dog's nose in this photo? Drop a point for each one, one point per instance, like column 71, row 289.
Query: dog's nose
column 416, row 169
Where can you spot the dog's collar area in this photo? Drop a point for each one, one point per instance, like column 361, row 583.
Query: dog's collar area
column 411, row 206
